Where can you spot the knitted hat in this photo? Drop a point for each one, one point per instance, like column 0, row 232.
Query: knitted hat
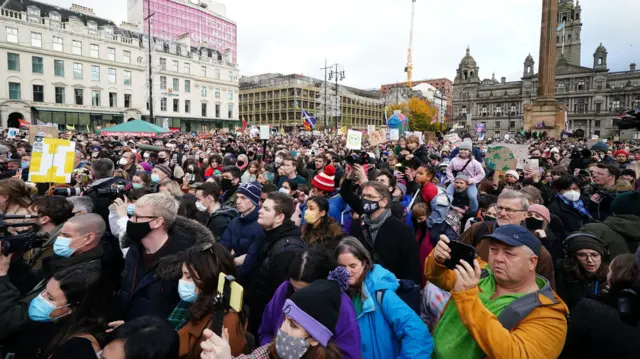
column 462, row 176
column 164, row 168
column 600, row 147
column 578, row 241
column 626, row 203
column 252, row 190
column 541, row 210
column 325, row 181
column 466, row 145
column 402, row 188
column 316, row 308
column 146, row 166
column 444, row 163
column 621, row 152
column 628, row 172
column 513, row 173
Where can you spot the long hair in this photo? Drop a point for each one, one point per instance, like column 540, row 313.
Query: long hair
column 16, row 191
column 318, row 352
column 327, row 228
column 577, row 274
column 353, row 246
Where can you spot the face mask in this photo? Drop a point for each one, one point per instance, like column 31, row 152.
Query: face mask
column 162, row 160
column 187, row 291
column 370, row 206
column 310, row 217
column 290, row 347
column 572, row 195
column 283, row 190
column 533, row 224
column 61, row 247
column 130, row 209
column 137, row 231
column 137, row 185
column 488, row 219
column 123, row 161
column 40, row 309
column 226, row 184
column 146, row 155
column 397, row 198
column 201, row 207
column 155, row 178
column 240, row 163
column 24, row 165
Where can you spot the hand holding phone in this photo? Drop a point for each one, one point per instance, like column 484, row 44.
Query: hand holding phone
column 229, row 296
column 459, row 251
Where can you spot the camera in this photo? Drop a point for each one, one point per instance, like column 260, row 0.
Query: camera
column 68, row 192
column 23, row 241
column 358, row 159
column 118, row 190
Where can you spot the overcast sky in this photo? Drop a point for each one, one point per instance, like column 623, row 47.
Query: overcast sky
column 370, row 37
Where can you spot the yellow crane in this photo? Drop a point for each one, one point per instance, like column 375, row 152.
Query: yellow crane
column 409, row 68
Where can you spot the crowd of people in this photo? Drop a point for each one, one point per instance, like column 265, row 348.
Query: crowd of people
column 400, row 250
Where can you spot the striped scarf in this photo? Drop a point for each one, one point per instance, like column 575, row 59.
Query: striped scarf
column 577, row 205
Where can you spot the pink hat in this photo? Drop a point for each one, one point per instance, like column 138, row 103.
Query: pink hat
column 541, row 210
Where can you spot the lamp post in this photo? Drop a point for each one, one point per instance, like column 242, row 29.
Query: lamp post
column 150, row 80
column 337, row 71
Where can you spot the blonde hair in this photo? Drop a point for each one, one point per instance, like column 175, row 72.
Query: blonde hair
column 173, row 187
column 161, row 205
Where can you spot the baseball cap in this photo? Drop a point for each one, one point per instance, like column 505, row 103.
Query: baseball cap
column 515, row 236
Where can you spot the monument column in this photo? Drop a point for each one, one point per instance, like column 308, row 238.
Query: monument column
column 547, row 62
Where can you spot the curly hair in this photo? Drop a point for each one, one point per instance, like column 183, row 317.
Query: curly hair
column 328, row 228
column 575, row 273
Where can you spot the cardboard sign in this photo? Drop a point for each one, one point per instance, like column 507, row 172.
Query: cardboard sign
column 378, row 137
column 354, row 140
column 52, row 160
column 371, row 129
column 430, row 137
column 394, row 134
column 45, row 131
column 13, row 132
column 500, row 158
column 264, row 132
column 521, row 152
column 454, row 139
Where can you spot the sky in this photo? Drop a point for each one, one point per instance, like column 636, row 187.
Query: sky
column 370, row 38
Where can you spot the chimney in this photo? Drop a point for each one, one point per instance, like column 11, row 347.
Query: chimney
column 632, row 67
column 503, row 80
column 82, row 9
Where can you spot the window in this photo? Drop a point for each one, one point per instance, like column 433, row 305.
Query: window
column 37, row 66
column 163, row 63
column 187, row 86
column 174, row 65
column 113, row 99
column 217, row 93
column 596, row 123
column 60, row 95
column 34, row 11
column 204, row 110
column 598, row 107
column 77, row 71
column 176, row 85
column 176, row 105
column 230, row 110
column 497, row 124
column 126, row 56
column 36, row 39
column 187, row 106
column 217, row 110
column 217, row 74
column 12, row 35
column 203, row 91
column 38, row 93
column 230, row 95
column 187, row 68
column 111, row 54
column 127, row 78
column 615, row 104
column 14, row 91
column 95, row 73
column 163, row 104
column 55, row 16
column 111, row 73
column 163, row 82
column 58, row 44
column 94, row 50
column 79, row 96
column 230, row 75
column 203, row 71
column 561, row 87
column 581, row 85
column 127, row 100
column 512, row 124
column 13, row 62
column 76, row 47
column 95, row 98
column 599, row 85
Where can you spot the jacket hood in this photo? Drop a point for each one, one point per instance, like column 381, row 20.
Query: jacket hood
column 286, row 229
column 626, row 225
column 225, row 211
column 251, row 217
column 380, row 279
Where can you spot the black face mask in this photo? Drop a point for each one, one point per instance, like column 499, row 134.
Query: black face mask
column 240, row 163
column 488, row 219
column 370, row 206
column 137, row 231
column 226, row 184
column 533, row 224
column 161, row 160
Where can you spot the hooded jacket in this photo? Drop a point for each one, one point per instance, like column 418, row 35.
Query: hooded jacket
column 390, row 329
column 346, row 335
column 620, row 232
column 156, row 291
column 244, row 236
column 219, row 220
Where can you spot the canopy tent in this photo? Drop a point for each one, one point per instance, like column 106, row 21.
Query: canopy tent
column 133, row 128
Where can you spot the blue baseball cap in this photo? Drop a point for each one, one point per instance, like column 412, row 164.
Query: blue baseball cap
column 515, row 236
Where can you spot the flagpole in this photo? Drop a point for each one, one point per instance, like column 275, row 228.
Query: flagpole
column 562, row 39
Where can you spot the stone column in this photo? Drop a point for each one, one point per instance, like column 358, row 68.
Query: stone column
column 547, row 63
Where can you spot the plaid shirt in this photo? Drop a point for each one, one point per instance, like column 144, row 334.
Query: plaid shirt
column 179, row 317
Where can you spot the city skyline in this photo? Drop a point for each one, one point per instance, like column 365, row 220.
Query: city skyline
column 373, row 49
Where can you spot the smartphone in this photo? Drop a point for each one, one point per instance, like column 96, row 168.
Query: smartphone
column 460, row 251
column 229, row 296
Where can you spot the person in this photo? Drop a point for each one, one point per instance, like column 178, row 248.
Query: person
column 244, row 236
column 537, row 222
column 160, row 174
column 465, row 164
column 307, row 267
column 140, row 180
column 208, row 200
column 418, row 151
column 52, row 212
column 229, row 184
column 128, row 163
column 584, row 272
column 154, row 236
column 311, row 316
column 481, row 319
column 436, row 197
column 602, row 192
column 569, row 205
column 103, row 173
column 144, row 167
column 215, row 167
column 629, row 175
column 319, row 230
column 602, row 328
column 620, row 230
column 121, row 209
column 389, row 328
column 391, row 242
column 323, row 184
column 81, row 205
column 251, row 174
column 15, row 198
column 147, row 337
column 476, row 151
column 198, row 286
column 288, row 169
column 622, row 159
column 281, row 243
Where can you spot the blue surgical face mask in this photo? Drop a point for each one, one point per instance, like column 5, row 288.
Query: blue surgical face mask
column 40, row 309
column 130, row 208
column 187, row 291
column 155, row 178
column 61, row 247
column 137, row 185
column 24, row 165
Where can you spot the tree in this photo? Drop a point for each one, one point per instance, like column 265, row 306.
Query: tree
column 420, row 112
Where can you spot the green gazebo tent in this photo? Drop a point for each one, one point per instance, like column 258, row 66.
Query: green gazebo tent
column 133, row 128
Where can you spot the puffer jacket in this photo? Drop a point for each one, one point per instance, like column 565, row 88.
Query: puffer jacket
column 156, row 291
column 219, row 220
column 390, row 329
column 244, row 236
column 620, row 232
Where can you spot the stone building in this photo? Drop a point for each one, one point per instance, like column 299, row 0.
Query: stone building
column 593, row 95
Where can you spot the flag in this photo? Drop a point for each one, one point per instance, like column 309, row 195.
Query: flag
column 71, row 128
column 435, row 118
column 308, row 118
column 24, row 123
column 560, row 27
column 244, row 125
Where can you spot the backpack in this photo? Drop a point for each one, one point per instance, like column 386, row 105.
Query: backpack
column 288, row 244
column 408, row 292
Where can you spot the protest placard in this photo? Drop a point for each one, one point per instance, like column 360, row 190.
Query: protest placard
column 500, row 158
column 52, row 160
column 354, row 140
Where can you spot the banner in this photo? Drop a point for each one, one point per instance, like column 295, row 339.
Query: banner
column 44, row 131
column 394, row 134
column 454, row 139
column 13, row 132
column 129, row 134
column 52, row 160
column 354, row 140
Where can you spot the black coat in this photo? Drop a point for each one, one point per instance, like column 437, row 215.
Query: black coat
column 572, row 291
column 101, row 203
column 219, row 220
column 571, row 219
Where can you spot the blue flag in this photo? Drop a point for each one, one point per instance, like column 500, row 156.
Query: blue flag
column 560, row 27
column 309, row 118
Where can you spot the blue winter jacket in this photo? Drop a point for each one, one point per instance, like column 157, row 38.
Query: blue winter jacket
column 395, row 330
column 244, row 236
column 336, row 206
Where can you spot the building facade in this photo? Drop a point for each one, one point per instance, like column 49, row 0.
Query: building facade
column 278, row 100
column 70, row 67
column 593, row 96
column 444, row 85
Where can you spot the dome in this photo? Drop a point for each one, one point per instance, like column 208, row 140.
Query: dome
column 601, row 48
column 468, row 61
column 529, row 58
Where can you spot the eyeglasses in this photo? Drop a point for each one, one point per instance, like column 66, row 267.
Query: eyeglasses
column 584, row 256
column 508, row 210
column 135, row 218
column 370, row 198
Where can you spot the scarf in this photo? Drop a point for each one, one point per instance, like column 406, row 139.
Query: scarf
column 373, row 225
column 179, row 316
column 577, row 205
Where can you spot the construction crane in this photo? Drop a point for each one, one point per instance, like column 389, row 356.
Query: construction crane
column 409, row 68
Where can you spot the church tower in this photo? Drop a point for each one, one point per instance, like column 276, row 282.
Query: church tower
column 570, row 15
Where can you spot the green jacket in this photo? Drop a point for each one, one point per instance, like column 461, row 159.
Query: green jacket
column 620, row 232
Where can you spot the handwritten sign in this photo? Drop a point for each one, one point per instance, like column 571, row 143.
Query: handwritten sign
column 394, row 134
column 354, row 140
column 430, row 137
column 454, row 139
column 371, row 129
column 500, row 158
column 264, row 132
column 12, row 132
column 52, row 160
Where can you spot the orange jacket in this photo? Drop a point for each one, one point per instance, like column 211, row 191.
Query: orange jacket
column 539, row 335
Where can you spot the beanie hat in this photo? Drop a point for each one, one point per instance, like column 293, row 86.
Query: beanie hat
column 621, row 152
column 325, row 181
column 402, row 188
column 628, row 172
column 466, row 145
column 252, row 190
column 600, row 147
column 513, row 173
column 316, row 308
column 444, row 163
column 578, row 241
column 462, row 176
column 541, row 210
column 164, row 168
column 146, row 166
column 626, row 203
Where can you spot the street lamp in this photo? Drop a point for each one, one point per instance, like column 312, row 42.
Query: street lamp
column 337, row 72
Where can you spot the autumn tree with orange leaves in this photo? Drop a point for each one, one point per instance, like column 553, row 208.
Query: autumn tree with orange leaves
column 420, row 113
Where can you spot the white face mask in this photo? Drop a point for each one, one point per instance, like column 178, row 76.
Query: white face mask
column 123, row 161
column 572, row 195
column 201, row 207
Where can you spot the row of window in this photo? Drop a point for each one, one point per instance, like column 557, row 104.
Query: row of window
column 187, row 88
column 187, row 107
column 175, row 67
column 15, row 93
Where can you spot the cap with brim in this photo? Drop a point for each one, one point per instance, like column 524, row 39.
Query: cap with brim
column 515, row 236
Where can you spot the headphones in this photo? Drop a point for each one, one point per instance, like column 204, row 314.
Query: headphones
column 566, row 243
